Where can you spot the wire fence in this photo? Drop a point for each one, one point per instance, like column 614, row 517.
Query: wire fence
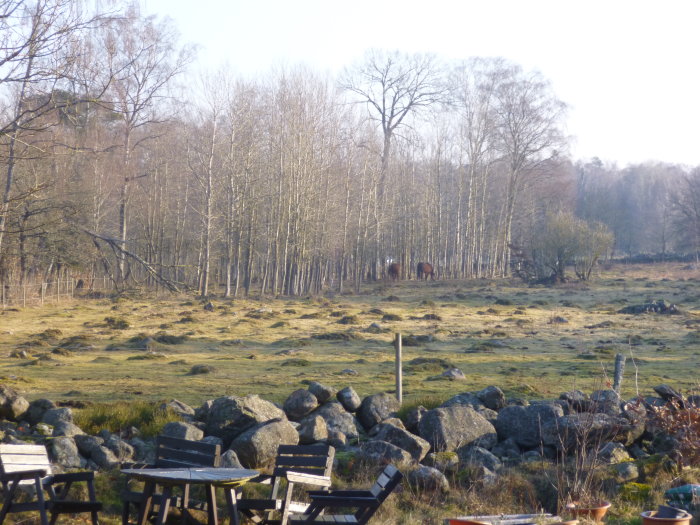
column 39, row 294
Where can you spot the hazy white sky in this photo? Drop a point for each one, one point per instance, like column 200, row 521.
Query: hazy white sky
column 629, row 69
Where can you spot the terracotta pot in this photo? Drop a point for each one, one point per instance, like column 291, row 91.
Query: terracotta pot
column 591, row 511
column 649, row 518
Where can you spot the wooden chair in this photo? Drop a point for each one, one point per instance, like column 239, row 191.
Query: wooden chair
column 175, row 453
column 365, row 501
column 26, row 465
column 308, row 465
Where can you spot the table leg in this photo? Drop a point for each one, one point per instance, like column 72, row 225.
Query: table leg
column 147, row 502
column 164, row 505
column 232, row 504
column 286, row 502
column 211, row 505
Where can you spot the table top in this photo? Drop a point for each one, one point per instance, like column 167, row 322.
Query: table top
column 203, row 475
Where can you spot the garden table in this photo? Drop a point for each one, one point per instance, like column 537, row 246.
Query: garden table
column 210, row 478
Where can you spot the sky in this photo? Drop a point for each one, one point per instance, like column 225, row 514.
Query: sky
column 628, row 69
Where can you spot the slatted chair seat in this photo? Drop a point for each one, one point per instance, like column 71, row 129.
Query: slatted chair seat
column 308, row 465
column 30, row 465
column 366, row 502
column 175, row 453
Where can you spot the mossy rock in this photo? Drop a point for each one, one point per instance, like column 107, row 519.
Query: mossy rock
column 186, row 319
column 428, row 364
column 428, row 303
column 503, row 302
column 336, row 336
column 116, row 323
column 349, row 319
column 432, row 317
column 392, row 299
column 297, row 362
column 149, row 356
column 338, row 313
column 376, row 311
column 49, row 334
column 313, row 315
column 201, row 369
column 391, row 317
column 168, row 339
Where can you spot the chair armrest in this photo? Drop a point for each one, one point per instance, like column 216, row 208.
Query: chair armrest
column 308, row 479
column 264, row 479
column 344, row 501
column 87, row 475
column 340, row 493
column 26, row 474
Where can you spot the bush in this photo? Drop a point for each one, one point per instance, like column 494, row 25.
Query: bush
column 147, row 417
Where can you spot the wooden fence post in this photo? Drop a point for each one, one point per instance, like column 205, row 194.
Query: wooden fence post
column 399, row 369
column 619, row 371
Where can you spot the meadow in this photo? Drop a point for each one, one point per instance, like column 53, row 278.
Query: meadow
column 531, row 341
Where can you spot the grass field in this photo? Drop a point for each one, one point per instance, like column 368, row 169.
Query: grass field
column 531, row 341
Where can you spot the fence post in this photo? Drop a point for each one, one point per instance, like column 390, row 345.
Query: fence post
column 24, row 296
column 619, row 371
column 399, row 369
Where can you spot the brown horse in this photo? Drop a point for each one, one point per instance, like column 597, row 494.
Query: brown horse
column 425, row 270
column 394, row 271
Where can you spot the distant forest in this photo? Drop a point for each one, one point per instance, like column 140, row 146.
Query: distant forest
column 116, row 162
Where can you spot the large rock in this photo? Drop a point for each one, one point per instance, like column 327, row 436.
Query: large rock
column 429, row 478
column 492, row 397
column 54, row 416
column 337, row 420
column 300, row 403
column 104, row 458
column 349, row 399
column 376, row 408
column 464, row 399
column 322, row 392
column 183, row 410
column 606, row 401
column 66, row 428
column 121, row 449
column 312, row 429
column 452, row 427
column 478, row 457
column 381, row 453
column 414, row 445
column 530, row 426
column 37, row 409
column 590, row 430
column 87, row 444
column 12, row 405
column 64, row 451
column 256, row 448
column 230, row 416
column 182, row 430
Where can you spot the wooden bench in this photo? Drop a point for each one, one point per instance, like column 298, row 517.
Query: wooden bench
column 174, row 453
column 30, row 465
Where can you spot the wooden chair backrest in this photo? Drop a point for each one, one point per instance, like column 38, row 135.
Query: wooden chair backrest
column 308, row 459
column 21, row 458
column 183, row 453
column 386, row 483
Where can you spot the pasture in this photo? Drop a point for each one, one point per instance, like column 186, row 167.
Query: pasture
column 531, row 341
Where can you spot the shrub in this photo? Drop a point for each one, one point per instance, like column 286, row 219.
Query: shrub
column 683, row 424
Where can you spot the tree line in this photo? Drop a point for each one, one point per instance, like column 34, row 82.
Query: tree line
column 115, row 161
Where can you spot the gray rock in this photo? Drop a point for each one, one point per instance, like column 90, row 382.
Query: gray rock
column 229, row 417
column 506, row 449
column 144, row 451
column 577, row 400
column 183, row 410
column 492, row 397
column 66, row 428
column 104, row 458
column 202, row 412
column 464, row 399
column 414, row 416
column 256, row 448
column 454, row 374
column 336, row 439
column 577, row 430
column 606, row 401
column 613, row 453
column 121, row 449
column 86, row 444
column 453, row 427
column 64, row 451
column 12, row 405
column 402, row 438
column 478, row 457
column 312, row 430
column 429, row 478
column 37, row 408
column 182, row 430
column 376, row 408
column 349, row 399
column 529, row 426
column 625, row 472
column 443, row 461
column 229, row 459
column 322, row 392
column 300, row 403
column 380, row 453
column 53, row 416
column 337, row 419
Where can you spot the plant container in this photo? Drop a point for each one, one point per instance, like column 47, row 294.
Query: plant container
column 591, row 511
column 649, row 518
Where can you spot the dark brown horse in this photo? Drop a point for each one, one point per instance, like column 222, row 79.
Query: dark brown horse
column 394, row 271
column 425, row 270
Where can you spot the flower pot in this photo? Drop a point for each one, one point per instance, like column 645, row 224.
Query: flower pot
column 591, row 511
column 649, row 518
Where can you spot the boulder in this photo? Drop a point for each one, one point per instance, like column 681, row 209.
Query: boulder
column 66, row 428
column 55, row 415
column 322, row 392
column 464, row 399
column 402, row 438
column 64, row 451
column 312, row 430
column 181, row 409
column 414, row 416
column 12, row 405
column 256, row 448
column 428, row 478
column 443, row 461
column 300, row 403
column 338, row 420
column 87, row 444
column 611, row 453
column 349, row 399
column 36, row 410
column 228, row 417
column 182, row 430
column 380, row 453
column 492, row 397
column 530, row 426
column 452, row 427
column 104, row 458
column 478, row 457
column 376, row 408
column 229, row 459
column 576, row 430
column 606, row 401
column 121, row 449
